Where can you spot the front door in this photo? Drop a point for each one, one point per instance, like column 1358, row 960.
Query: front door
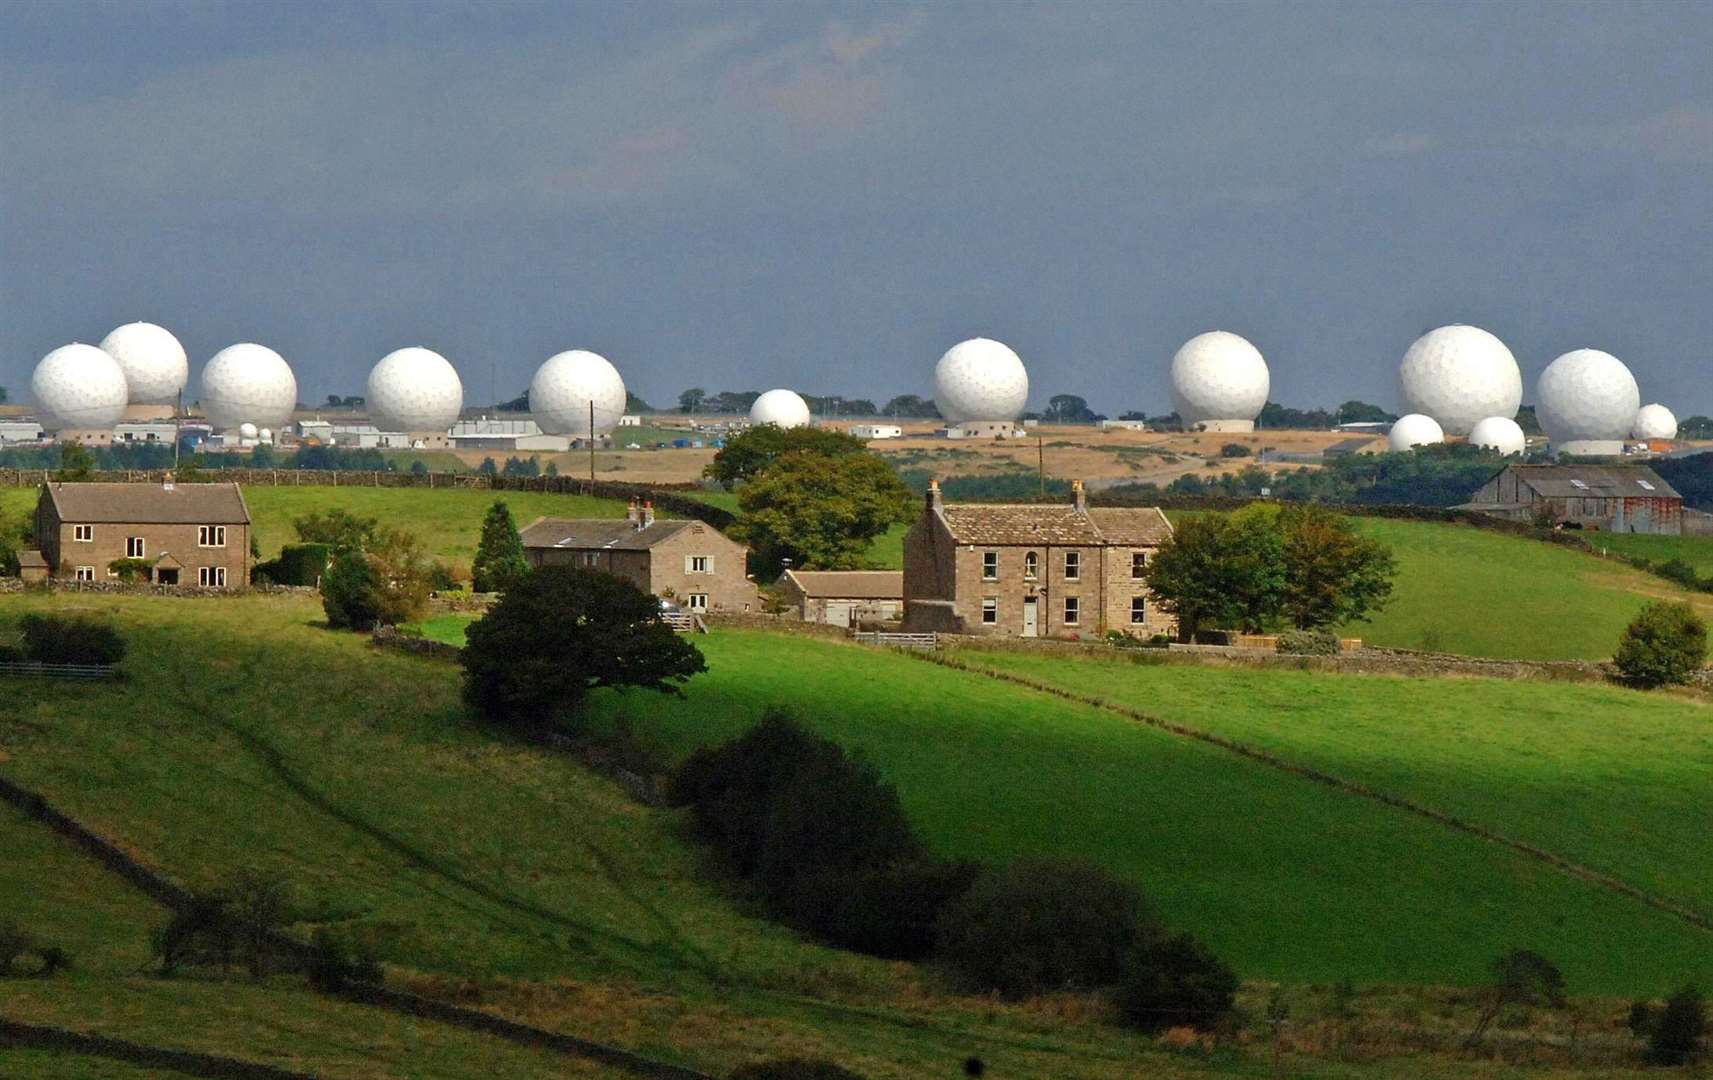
column 166, row 575
column 1029, row 617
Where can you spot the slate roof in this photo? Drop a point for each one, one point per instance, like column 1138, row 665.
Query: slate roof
column 1027, row 523
column 1595, row 481
column 31, row 559
column 149, row 504
column 849, row 584
column 599, row 534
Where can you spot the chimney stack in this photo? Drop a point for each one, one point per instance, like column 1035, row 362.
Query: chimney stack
column 632, row 512
column 647, row 514
column 935, row 502
column 1079, row 496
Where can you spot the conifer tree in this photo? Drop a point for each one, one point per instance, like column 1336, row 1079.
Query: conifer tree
column 499, row 556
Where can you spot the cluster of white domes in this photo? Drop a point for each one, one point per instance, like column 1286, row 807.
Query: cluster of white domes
column 1460, row 375
column 1587, row 402
column 414, row 389
column 248, row 383
column 782, row 408
column 577, row 393
column 1219, row 382
column 980, row 379
column 1412, row 430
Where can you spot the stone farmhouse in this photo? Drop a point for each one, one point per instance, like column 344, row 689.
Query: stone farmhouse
column 844, row 597
column 186, row 534
column 1611, row 498
column 690, row 562
column 1032, row 570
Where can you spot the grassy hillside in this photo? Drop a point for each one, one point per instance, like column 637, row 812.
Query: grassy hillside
column 1697, row 551
column 1286, row 878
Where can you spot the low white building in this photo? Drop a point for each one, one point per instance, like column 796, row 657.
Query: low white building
column 985, row 429
column 145, row 431
column 1124, row 425
column 506, row 433
column 22, row 431
column 877, row 431
column 628, row 420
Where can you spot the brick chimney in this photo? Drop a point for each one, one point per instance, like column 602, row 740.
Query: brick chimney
column 935, row 502
column 647, row 514
column 1079, row 496
column 632, row 512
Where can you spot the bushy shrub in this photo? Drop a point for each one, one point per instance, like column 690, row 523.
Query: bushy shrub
column 15, row 941
column 1042, row 925
column 1678, row 571
column 891, row 910
column 351, row 591
column 130, row 571
column 298, row 564
column 1676, row 1032
column 1309, row 643
column 333, row 965
column 1234, row 450
column 56, row 639
column 795, row 1069
column 1175, row 982
column 1663, row 646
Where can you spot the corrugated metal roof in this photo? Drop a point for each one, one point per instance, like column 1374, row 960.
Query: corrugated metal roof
column 599, row 534
column 1028, row 523
column 1595, row 481
column 149, row 504
column 849, row 584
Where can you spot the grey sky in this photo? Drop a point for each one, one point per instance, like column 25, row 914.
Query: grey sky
column 828, row 196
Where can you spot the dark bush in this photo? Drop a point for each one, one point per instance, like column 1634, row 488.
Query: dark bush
column 54, row 639
column 1677, row 1029
column 1175, row 982
column 1309, row 643
column 1042, row 925
column 1234, row 450
column 1678, row 571
column 351, row 591
column 794, row 1069
column 15, row 942
column 891, row 910
column 333, row 965
column 54, row 960
column 1663, row 646
column 298, row 564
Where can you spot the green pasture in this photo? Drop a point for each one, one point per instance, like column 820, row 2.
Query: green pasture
column 1697, row 551
column 1286, row 878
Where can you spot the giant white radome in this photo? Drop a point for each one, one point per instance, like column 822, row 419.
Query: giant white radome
column 980, row 379
column 1219, row 382
column 565, row 387
column 782, row 408
column 79, row 386
column 1460, row 375
column 414, row 389
column 1587, row 402
column 155, row 365
column 248, row 383
column 1654, row 422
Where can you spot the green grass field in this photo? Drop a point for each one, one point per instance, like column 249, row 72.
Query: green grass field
column 1286, row 878
column 1697, row 551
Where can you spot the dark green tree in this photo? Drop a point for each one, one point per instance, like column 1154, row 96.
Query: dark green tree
column 1221, row 571
column 690, row 400
column 820, row 512
column 561, row 632
column 1521, row 978
column 911, row 407
column 340, row 530
column 351, row 590
column 1333, row 575
column 1067, row 409
column 1175, row 982
column 383, row 584
column 499, row 555
column 1664, row 645
column 1361, row 412
column 746, row 455
column 76, row 463
column 1675, row 1034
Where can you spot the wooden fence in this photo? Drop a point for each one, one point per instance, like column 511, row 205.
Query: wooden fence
column 36, row 669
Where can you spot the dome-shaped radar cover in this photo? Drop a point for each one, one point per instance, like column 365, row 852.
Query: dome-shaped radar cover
column 1587, row 396
column 156, row 368
column 782, row 408
column 1414, row 430
column 1219, row 376
column 567, row 384
column 414, row 389
column 980, row 379
column 248, row 383
column 1654, row 422
column 79, row 386
column 1460, row 375
column 1500, row 434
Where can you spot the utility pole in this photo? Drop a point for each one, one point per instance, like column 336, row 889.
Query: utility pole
column 1041, row 463
column 591, row 446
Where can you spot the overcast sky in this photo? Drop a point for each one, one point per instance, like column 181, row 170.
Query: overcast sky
column 827, row 196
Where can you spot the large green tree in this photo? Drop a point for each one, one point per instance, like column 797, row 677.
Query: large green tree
column 1333, row 575
column 382, row 582
column 340, row 530
column 821, row 511
column 561, row 632
column 1220, row 571
column 745, row 456
column 499, row 555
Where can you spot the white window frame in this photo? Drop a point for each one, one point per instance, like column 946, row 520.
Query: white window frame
column 1073, row 566
column 1031, row 565
column 136, row 547
column 211, row 536
column 591, row 558
column 211, row 577
column 697, row 601
column 990, row 566
column 85, row 573
column 1073, row 611
column 989, row 610
column 698, row 564
column 1138, row 563
column 83, row 534
column 1138, row 610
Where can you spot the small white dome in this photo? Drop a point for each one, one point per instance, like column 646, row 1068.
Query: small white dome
column 782, row 408
column 1219, row 381
column 79, row 386
column 1587, row 402
column 1459, row 375
column 265, row 435
column 1654, row 422
column 156, row 368
column 1414, row 430
column 414, row 389
column 247, row 430
column 564, row 387
column 248, row 384
column 980, row 379
column 1499, row 433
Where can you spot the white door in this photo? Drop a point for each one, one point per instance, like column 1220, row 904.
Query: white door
column 1029, row 623
column 839, row 612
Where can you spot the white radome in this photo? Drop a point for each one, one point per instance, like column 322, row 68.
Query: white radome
column 1219, row 382
column 265, row 435
column 1654, row 422
column 414, row 389
column 155, row 366
column 248, row 384
column 248, row 431
column 1414, row 430
column 1460, row 375
column 564, row 386
column 1500, row 434
column 782, row 408
column 980, row 379
column 1587, row 402
column 79, row 386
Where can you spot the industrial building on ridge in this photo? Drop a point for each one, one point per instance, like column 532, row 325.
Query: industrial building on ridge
column 186, row 534
column 690, row 562
column 1626, row 498
column 1032, row 570
column 844, row 597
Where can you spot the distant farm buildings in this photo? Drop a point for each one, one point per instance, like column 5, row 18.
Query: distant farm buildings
column 1032, row 570
column 844, row 597
column 689, row 562
column 1624, row 498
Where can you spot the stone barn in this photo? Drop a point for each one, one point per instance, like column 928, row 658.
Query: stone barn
column 1610, row 498
column 844, row 597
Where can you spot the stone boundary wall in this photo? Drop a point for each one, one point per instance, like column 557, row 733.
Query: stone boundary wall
column 187, row 1062
column 784, row 624
column 121, row 588
column 390, row 637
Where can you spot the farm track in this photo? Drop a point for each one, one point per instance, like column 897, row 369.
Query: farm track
column 1675, row 908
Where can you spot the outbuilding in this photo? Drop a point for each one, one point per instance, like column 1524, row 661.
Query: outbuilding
column 844, row 597
column 1611, row 498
